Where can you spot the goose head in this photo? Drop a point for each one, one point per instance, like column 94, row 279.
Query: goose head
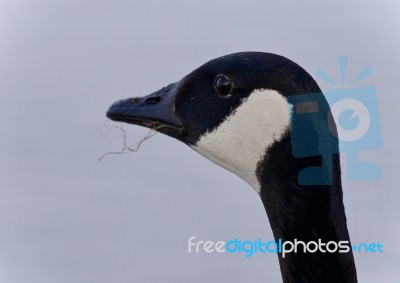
column 237, row 111
column 232, row 110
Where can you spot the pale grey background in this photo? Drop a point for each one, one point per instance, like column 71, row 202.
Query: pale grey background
column 64, row 217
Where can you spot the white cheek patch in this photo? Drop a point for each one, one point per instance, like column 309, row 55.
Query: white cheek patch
column 241, row 141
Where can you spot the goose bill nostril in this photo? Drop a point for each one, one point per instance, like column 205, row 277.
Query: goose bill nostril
column 152, row 100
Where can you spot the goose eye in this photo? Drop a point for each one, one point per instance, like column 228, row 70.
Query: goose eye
column 223, row 85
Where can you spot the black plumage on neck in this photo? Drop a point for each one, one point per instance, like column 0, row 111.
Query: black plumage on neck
column 305, row 213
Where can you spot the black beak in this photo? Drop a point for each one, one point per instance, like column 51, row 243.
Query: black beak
column 156, row 110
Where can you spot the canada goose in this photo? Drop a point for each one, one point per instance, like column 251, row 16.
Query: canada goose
column 235, row 111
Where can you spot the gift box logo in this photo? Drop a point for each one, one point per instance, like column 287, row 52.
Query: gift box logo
column 355, row 113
